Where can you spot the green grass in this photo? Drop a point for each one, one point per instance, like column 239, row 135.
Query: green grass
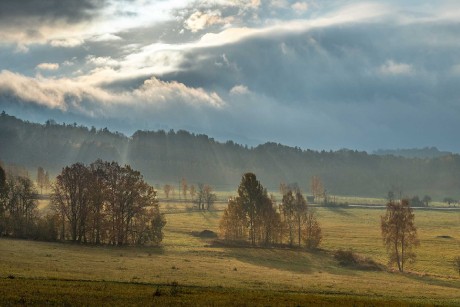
column 63, row 273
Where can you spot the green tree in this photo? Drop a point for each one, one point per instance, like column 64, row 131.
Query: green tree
column 426, row 200
column 399, row 232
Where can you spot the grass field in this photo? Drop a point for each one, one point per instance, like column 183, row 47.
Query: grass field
column 58, row 273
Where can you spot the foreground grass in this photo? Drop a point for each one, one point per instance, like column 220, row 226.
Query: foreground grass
column 62, row 273
column 90, row 293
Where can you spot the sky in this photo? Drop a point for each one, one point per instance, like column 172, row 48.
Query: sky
column 316, row 74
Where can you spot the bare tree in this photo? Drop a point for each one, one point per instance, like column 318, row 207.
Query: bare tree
column 209, row 197
column 205, row 198
column 167, row 189
column 317, row 187
column 399, row 232
column 40, row 178
column 184, row 187
column 192, row 191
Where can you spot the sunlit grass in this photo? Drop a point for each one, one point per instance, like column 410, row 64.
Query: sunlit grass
column 192, row 262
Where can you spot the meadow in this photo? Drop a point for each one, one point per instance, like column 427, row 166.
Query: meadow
column 190, row 270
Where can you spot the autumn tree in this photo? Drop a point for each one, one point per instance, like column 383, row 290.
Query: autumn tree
column 288, row 213
column 283, row 188
column 268, row 222
column 209, row 197
column 399, row 232
column 300, row 221
column 70, row 199
column 300, row 212
column 192, row 191
column 250, row 194
column 316, row 187
column 167, row 189
column 3, row 199
column 40, row 178
column 128, row 195
column 311, row 231
column 98, row 189
column 107, row 203
column 184, row 187
column 252, row 214
column 20, row 207
column 233, row 224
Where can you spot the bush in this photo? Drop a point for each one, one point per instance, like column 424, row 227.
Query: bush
column 348, row 258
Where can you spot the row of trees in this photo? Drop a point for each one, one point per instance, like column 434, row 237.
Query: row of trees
column 254, row 216
column 106, row 203
column 102, row 203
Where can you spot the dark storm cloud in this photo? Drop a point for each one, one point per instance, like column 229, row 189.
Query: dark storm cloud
column 71, row 11
column 255, row 72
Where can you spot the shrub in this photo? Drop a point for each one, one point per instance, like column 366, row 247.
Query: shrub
column 348, row 258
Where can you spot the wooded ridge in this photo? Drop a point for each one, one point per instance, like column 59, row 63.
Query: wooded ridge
column 166, row 157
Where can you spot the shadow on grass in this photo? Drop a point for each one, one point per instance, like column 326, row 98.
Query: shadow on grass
column 433, row 281
column 339, row 210
column 287, row 259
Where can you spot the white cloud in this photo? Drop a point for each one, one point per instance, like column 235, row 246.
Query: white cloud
column 81, row 96
column 106, row 37
column 279, row 3
column 154, row 90
column 300, row 7
column 239, row 90
column 48, row 66
column 101, row 61
column 67, row 42
column 393, row 68
column 199, row 20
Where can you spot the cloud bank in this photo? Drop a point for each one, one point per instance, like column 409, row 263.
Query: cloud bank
column 327, row 74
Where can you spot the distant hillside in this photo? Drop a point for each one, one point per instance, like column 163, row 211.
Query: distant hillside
column 166, row 157
column 427, row 152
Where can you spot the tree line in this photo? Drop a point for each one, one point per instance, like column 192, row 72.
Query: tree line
column 100, row 203
column 162, row 158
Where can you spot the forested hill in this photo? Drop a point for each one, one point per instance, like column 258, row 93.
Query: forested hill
column 166, row 157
